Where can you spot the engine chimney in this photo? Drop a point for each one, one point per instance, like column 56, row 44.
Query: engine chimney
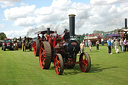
column 48, row 31
column 125, row 23
column 72, row 24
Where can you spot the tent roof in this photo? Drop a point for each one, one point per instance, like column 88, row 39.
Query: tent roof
column 113, row 35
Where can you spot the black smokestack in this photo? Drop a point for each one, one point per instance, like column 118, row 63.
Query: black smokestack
column 72, row 24
column 125, row 23
column 48, row 31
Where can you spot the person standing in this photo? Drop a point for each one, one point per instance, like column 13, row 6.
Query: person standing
column 86, row 43
column 82, row 47
column 102, row 41
column 97, row 44
column 54, row 34
column 125, row 45
column 109, row 46
column 116, row 44
column 90, row 45
column 112, row 42
column 122, row 45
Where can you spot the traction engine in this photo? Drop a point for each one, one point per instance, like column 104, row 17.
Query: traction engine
column 62, row 50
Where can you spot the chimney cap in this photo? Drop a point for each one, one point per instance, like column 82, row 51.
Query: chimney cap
column 72, row 15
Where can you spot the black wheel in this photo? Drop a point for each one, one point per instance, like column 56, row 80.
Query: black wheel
column 58, row 63
column 85, row 62
column 45, row 55
column 1, row 48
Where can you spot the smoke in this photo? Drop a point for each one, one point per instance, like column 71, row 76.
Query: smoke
column 32, row 31
column 59, row 27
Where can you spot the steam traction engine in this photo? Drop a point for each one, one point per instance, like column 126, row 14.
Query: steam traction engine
column 62, row 50
column 124, row 32
column 27, row 44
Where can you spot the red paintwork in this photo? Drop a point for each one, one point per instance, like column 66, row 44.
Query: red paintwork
column 3, row 43
column 8, row 43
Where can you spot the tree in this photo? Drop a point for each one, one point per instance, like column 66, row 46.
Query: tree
column 2, row 36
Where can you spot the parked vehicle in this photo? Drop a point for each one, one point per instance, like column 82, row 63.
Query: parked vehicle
column 7, row 44
column 27, row 44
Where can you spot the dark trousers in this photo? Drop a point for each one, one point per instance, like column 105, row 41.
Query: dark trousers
column 97, row 46
column 125, row 48
column 109, row 49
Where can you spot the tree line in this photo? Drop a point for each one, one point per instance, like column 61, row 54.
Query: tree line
column 108, row 32
column 2, row 36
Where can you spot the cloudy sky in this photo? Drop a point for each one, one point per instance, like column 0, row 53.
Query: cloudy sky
column 25, row 17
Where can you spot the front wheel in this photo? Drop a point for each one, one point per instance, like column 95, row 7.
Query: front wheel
column 85, row 62
column 58, row 63
column 2, row 48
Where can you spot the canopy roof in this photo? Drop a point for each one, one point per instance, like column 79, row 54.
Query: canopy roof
column 43, row 32
column 113, row 35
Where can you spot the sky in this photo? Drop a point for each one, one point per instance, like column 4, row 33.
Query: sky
column 25, row 17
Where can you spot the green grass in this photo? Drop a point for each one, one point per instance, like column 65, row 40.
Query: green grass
column 22, row 68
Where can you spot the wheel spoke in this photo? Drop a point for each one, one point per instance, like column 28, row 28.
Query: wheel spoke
column 58, row 67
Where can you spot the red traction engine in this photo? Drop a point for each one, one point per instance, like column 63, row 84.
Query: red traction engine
column 62, row 50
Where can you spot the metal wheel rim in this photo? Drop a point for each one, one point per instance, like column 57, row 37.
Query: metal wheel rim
column 57, row 64
column 42, row 56
column 84, row 63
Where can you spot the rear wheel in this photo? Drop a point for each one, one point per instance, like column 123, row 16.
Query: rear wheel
column 58, row 63
column 45, row 55
column 24, row 47
column 85, row 62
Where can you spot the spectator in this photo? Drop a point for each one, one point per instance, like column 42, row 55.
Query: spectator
column 90, row 45
column 46, row 36
column 82, row 47
column 121, row 45
column 86, row 43
column 97, row 44
column 109, row 46
column 54, row 34
column 125, row 45
column 112, row 43
column 102, row 41
column 116, row 44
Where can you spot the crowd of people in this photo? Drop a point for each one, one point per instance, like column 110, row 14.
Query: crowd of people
column 111, row 44
column 114, row 43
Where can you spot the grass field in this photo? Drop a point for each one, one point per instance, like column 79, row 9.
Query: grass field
column 22, row 68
